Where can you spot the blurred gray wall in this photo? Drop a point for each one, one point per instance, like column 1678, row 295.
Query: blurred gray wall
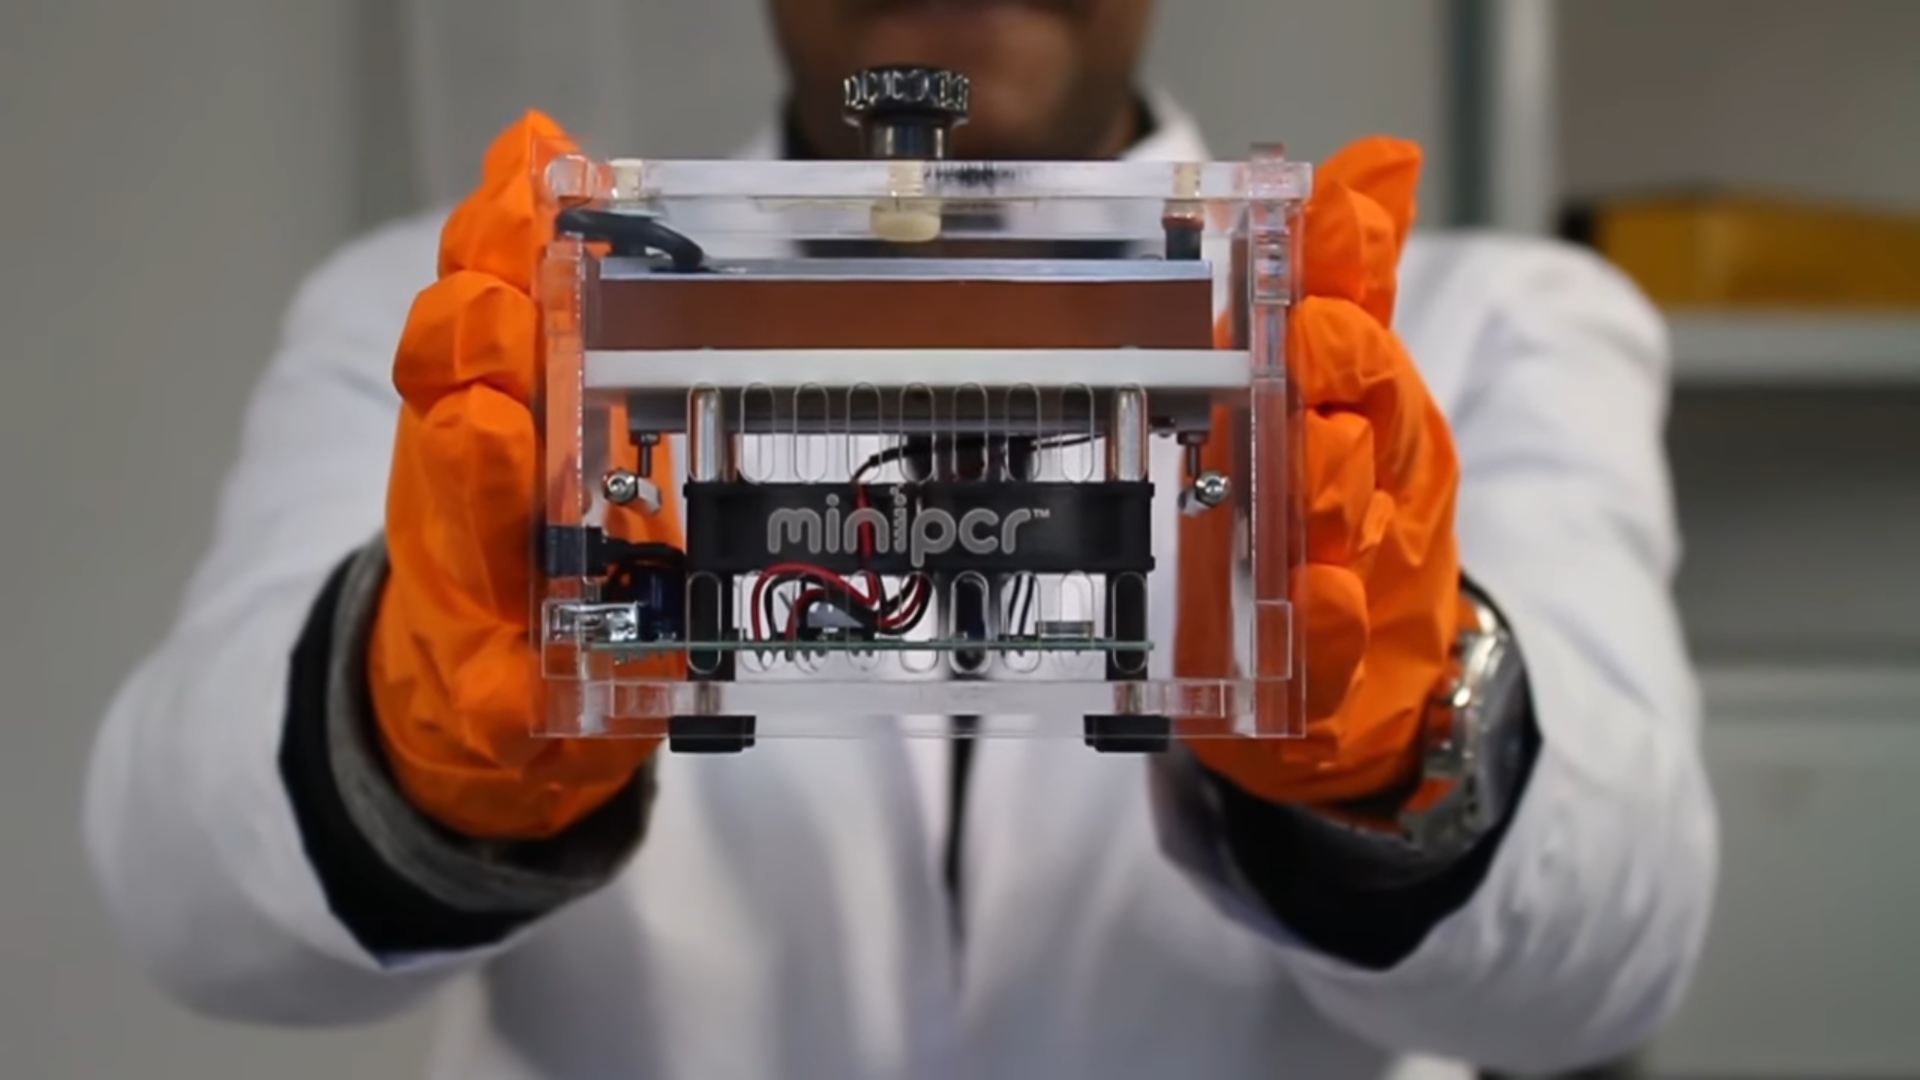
column 1790, row 97
column 167, row 172
column 1801, row 510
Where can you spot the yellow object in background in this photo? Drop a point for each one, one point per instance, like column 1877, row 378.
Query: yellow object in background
column 1740, row 250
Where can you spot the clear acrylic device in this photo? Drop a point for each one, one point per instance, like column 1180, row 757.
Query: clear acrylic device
column 837, row 444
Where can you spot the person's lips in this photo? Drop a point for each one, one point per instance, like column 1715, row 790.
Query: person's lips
column 962, row 8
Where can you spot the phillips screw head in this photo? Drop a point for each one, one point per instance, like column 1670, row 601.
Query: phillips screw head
column 620, row 486
column 1210, row 489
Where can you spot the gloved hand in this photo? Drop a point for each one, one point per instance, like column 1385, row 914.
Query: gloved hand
column 454, row 680
column 1381, row 584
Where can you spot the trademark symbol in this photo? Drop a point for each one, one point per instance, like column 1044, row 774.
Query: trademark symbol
column 1042, row 513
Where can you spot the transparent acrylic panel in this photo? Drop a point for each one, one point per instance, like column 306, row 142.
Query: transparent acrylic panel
column 830, row 446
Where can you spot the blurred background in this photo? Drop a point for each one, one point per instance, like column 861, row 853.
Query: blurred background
column 171, row 170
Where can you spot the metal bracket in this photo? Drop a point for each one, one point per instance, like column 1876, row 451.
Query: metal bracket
column 594, row 624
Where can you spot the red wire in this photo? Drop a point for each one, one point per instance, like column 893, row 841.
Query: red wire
column 871, row 598
column 806, row 570
column 920, row 593
column 810, row 570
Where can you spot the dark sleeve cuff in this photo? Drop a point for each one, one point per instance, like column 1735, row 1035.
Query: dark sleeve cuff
column 1370, row 898
column 1331, row 892
column 398, row 881
column 1364, row 896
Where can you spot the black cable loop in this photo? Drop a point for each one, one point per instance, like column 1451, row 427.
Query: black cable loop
column 633, row 236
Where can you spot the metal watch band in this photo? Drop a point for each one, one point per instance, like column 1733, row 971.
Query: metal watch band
column 1476, row 746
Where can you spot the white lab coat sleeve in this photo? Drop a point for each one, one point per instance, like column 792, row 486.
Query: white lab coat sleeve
column 187, row 821
column 1583, row 937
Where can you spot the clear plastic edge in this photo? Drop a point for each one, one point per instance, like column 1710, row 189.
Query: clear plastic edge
column 1277, row 456
column 641, row 180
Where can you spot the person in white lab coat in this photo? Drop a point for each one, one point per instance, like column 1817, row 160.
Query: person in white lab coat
column 278, row 843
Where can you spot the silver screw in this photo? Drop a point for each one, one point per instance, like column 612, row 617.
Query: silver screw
column 620, row 486
column 1210, row 489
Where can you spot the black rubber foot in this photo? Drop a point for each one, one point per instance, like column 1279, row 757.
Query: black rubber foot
column 709, row 734
column 1129, row 734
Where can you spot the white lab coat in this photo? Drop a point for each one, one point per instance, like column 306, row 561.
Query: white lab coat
column 785, row 915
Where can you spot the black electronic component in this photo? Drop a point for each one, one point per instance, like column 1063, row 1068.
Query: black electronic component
column 935, row 527
column 652, row 577
column 585, row 551
column 725, row 734
column 1129, row 734
column 656, row 587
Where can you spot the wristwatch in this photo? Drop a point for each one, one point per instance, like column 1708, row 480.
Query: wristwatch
column 1478, row 744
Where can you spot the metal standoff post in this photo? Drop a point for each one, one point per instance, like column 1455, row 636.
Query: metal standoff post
column 709, row 600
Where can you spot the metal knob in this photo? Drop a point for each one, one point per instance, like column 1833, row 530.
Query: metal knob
column 906, row 111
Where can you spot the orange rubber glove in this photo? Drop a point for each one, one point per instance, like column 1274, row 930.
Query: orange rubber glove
column 1381, row 584
column 454, row 680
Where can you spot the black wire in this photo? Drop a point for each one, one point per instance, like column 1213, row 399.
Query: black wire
column 633, row 235
column 891, row 453
column 1029, row 584
column 895, row 453
column 767, row 594
column 920, row 611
